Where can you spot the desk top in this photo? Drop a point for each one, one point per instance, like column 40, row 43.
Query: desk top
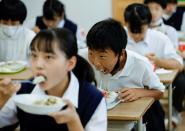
column 169, row 77
column 130, row 111
column 23, row 75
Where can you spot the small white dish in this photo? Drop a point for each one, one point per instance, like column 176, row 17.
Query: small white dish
column 12, row 66
column 30, row 103
column 113, row 104
column 111, row 96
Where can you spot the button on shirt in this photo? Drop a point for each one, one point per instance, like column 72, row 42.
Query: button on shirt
column 154, row 42
column 98, row 121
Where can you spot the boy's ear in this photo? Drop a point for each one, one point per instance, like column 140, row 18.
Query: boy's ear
column 72, row 63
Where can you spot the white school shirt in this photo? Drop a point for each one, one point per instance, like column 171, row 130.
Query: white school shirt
column 183, row 23
column 167, row 30
column 98, row 121
column 154, row 42
column 16, row 47
column 137, row 73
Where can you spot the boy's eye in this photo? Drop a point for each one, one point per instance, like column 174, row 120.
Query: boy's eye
column 49, row 57
column 33, row 55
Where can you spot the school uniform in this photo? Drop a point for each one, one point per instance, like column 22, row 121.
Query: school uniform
column 137, row 73
column 154, row 42
column 64, row 23
column 15, row 47
column 167, row 30
column 176, row 19
column 159, row 44
column 87, row 100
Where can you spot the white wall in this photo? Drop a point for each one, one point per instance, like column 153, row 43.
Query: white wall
column 84, row 12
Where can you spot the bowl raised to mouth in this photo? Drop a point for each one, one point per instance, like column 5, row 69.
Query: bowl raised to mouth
column 39, row 104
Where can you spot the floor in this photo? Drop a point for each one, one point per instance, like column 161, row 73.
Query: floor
column 181, row 126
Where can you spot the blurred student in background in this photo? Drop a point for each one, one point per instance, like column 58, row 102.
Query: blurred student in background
column 54, row 16
column 156, row 46
column 157, row 8
column 174, row 16
column 14, row 38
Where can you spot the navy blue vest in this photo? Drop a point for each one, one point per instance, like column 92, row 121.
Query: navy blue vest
column 175, row 20
column 89, row 99
column 68, row 24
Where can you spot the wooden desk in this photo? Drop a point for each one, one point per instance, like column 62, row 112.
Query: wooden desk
column 131, row 111
column 168, row 79
column 24, row 75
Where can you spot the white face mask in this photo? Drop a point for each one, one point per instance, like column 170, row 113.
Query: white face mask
column 9, row 31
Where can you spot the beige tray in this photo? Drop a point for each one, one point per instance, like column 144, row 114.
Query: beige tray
column 23, row 75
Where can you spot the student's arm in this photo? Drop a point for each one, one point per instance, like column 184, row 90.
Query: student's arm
column 150, row 80
column 168, row 64
column 68, row 116
column 7, row 89
column 132, row 94
column 98, row 121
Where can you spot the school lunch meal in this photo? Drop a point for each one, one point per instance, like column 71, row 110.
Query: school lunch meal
column 12, row 67
column 110, row 96
column 39, row 79
column 38, row 104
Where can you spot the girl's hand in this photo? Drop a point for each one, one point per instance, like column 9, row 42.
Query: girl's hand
column 152, row 57
column 68, row 115
column 7, row 88
column 129, row 94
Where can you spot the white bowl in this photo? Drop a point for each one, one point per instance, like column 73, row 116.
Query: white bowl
column 111, row 97
column 29, row 103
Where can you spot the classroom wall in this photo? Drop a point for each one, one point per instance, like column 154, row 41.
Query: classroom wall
column 84, row 12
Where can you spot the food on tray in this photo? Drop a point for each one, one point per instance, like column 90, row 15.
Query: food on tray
column 12, row 66
column 39, row 79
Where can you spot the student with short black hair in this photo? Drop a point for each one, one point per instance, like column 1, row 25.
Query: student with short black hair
column 155, row 46
column 54, row 16
column 14, row 38
column 157, row 8
column 125, row 72
column 67, row 75
column 174, row 16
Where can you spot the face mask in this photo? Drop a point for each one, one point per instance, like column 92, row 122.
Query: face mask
column 9, row 31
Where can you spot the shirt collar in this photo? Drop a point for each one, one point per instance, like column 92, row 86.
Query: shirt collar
column 61, row 24
column 157, row 23
column 131, row 41
column 127, row 67
column 71, row 92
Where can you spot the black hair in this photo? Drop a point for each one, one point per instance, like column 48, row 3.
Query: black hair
column 52, row 8
column 107, row 34
column 172, row 1
column 66, row 41
column 137, row 15
column 162, row 3
column 14, row 10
